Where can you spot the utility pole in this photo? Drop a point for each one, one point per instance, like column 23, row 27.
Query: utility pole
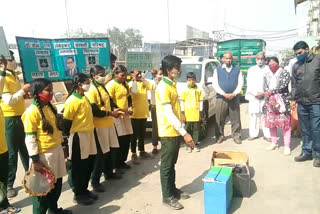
column 67, row 18
column 168, row 21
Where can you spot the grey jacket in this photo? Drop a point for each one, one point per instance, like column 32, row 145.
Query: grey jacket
column 305, row 81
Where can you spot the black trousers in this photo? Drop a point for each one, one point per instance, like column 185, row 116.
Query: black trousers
column 79, row 170
column 139, row 133
column 155, row 136
column 100, row 162
column 50, row 201
column 124, row 142
column 4, row 177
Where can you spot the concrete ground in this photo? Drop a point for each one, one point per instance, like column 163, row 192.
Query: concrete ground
column 279, row 185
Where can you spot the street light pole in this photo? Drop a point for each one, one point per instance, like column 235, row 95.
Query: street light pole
column 168, row 20
column 66, row 8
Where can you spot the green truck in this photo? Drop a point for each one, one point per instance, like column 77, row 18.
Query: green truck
column 244, row 53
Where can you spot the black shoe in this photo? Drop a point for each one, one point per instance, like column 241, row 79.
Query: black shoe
column 59, row 211
column 11, row 192
column 83, row 200
column 302, row 157
column 113, row 176
column 125, row 166
column 144, row 155
column 220, row 139
column 237, row 141
column 98, row 187
column 92, row 195
column 316, row 162
column 181, row 195
column 155, row 151
column 172, row 203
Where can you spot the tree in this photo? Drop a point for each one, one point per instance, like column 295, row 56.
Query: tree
column 285, row 55
column 120, row 41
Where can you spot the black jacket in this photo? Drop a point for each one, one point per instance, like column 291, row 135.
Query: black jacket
column 305, row 81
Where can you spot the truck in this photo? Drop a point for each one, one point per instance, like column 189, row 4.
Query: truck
column 244, row 52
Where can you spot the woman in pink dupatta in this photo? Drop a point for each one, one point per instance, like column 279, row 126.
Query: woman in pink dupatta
column 276, row 109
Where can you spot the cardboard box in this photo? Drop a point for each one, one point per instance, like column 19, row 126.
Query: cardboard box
column 218, row 190
column 225, row 157
column 239, row 162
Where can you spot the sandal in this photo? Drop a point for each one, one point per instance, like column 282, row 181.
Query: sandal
column 12, row 210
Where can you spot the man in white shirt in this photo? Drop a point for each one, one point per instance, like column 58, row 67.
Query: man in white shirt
column 255, row 96
column 227, row 82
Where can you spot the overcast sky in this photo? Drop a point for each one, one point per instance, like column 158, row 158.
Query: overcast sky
column 47, row 18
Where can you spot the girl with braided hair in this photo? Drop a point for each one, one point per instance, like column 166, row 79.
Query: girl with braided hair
column 43, row 141
column 118, row 90
column 78, row 125
column 104, row 132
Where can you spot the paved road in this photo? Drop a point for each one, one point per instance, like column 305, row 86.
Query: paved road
column 280, row 185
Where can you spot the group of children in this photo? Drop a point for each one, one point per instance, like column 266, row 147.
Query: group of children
column 101, row 117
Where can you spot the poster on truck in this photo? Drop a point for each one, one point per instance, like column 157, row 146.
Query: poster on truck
column 60, row 59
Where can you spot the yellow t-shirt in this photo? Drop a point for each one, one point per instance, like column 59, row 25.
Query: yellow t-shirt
column 119, row 93
column 140, row 103
column 3, row 142
column 12, row 85
column 191, row 97
column 32, row 122
column 93, row 96
column 78, row 109
column 167, row 93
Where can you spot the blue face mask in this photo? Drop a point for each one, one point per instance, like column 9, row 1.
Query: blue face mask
column 302, row 58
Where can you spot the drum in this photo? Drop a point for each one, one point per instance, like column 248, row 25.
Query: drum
column 38, row 183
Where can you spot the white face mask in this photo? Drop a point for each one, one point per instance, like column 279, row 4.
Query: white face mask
column 101, row 80
column 12, row 66
column 85, row 87
column 260, row 63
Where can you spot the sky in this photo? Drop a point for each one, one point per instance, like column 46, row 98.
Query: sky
column 48, row 18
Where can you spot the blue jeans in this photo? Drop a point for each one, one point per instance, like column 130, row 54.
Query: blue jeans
column 309, row 121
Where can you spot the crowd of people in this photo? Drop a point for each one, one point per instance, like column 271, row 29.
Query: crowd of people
column 104, row 116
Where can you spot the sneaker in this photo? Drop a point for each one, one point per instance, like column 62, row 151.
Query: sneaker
column 144, row 155
column 155, row 151
column 220, row 139
column 179, row 194
column 83, row 200
column 92, row 195
column 272, row 147
column 196, row 149
column 98, row 187
column 316, row 162
column 11, row 192
column 188, row 149
column 286, row 151
column 172, row 203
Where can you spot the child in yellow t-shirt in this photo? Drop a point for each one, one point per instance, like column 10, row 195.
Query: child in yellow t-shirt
column 140, row 106
column 191, row 106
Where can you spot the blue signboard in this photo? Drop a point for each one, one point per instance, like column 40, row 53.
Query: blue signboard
column 59, row 59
